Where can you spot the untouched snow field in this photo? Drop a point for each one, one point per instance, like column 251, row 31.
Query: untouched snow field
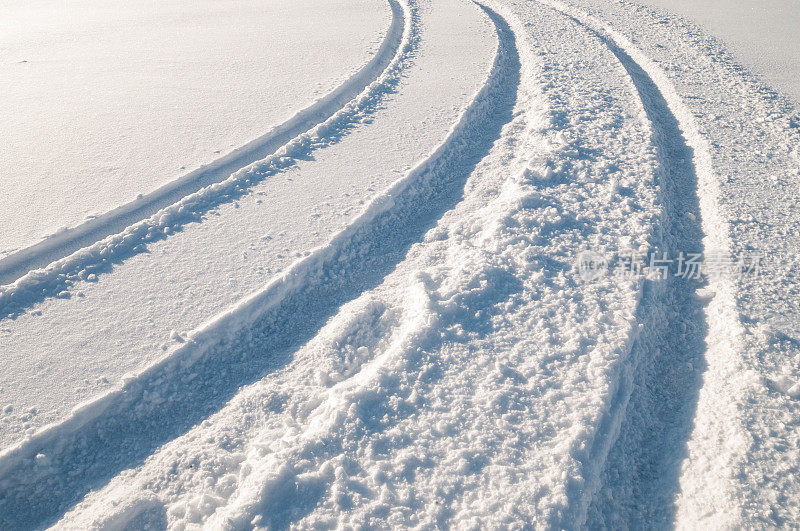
column 459, row 290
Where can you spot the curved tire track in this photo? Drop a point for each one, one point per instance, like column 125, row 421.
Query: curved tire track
column 93, row 246
column 122, row 428
column 686, row 184
column 655, row 408
column 40, row 254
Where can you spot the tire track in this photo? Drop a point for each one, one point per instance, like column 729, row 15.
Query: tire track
column 643, row 437
column 95, row 245
column 643, row 466
column 65, row 243
column 43, row 476
column 417, row 323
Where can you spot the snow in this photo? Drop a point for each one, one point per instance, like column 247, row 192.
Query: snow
column 304, row 205
column 418, row 311
column 103, row 101
column 763, row 36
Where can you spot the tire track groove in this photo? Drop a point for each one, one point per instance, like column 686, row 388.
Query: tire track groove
column 122, row 428
column 678, row 327
column 94, row 246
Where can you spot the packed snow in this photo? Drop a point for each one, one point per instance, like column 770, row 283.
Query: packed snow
column 518, row 263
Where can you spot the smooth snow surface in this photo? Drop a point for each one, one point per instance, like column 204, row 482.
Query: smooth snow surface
column 389, row 322
column 105, row 100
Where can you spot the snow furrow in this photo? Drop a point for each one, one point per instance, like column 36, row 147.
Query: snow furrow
column 97, row 440
column 656, row 399
column 740, row 466
column 18, row 263
column 677, row 303
column 76, row 253
column 672, row 331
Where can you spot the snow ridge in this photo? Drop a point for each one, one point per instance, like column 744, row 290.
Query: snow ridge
column 92, row 247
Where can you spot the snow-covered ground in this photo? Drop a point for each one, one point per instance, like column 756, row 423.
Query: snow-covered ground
column 106, row 100
column 762, row 35
column 244, row 242
column 438, row 303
